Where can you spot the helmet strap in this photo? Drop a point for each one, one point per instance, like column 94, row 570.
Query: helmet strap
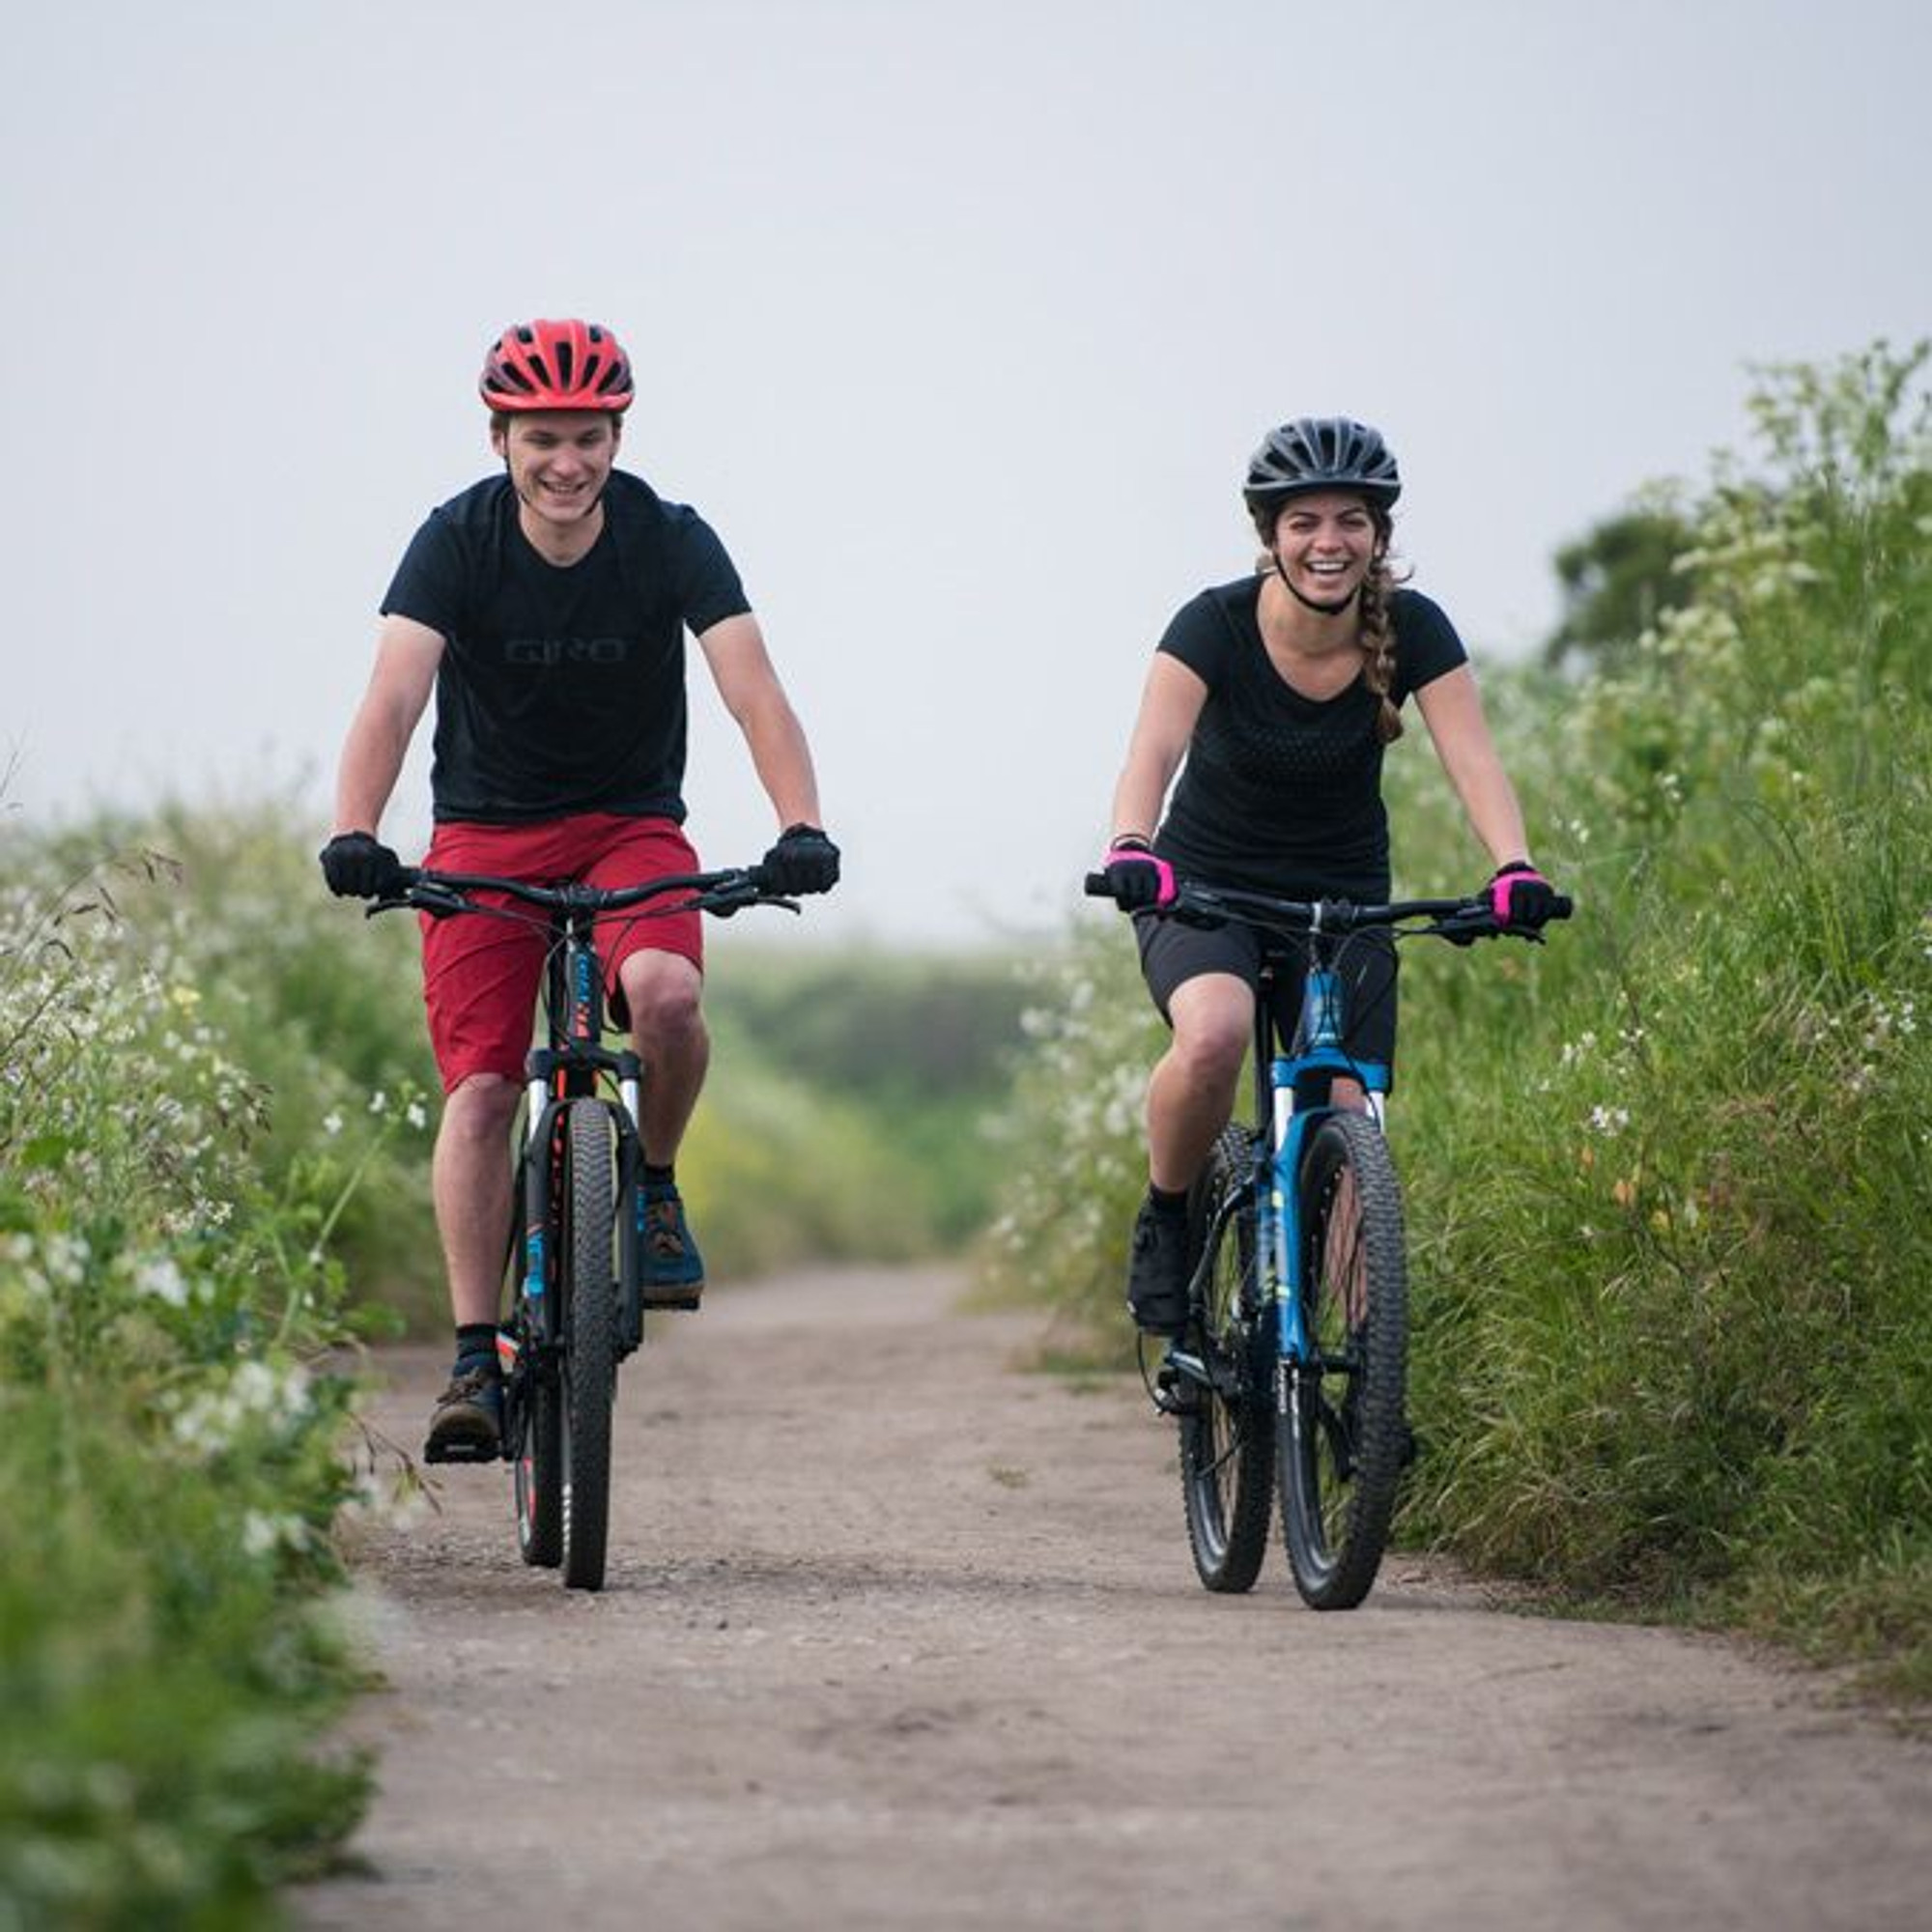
column 510, row 474
column 1334, row 610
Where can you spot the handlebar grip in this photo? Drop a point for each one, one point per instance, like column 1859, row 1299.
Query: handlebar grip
column 1562, row 906
column 1097, row 886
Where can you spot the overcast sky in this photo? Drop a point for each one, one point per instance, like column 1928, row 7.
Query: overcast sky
column 958, row 323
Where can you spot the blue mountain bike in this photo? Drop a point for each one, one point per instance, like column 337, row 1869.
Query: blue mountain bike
column 1289, row 1377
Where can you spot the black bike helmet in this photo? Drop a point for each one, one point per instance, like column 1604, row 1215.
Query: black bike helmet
column 1322, row 453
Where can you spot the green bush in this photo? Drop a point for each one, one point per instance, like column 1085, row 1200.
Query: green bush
column 169, row 1437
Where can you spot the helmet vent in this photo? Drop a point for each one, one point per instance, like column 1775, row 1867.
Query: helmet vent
column 564, row 360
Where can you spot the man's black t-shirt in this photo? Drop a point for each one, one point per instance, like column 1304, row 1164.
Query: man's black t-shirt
column 561, row 690
column 1282, row 793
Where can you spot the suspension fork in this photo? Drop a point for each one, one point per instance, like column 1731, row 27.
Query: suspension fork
column 629, row 1115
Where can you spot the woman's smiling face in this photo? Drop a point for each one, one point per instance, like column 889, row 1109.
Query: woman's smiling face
column 1326, row 543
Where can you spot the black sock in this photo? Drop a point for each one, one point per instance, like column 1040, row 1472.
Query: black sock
column 1165, row 1202
column 660, row 1177
column 474, row 1339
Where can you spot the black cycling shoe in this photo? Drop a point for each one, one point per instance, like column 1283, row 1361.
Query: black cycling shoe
column 1157, row 1271
column 466, row 1425
column 1177, row 1394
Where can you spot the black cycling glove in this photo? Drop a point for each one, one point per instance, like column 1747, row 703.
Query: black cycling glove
column 359, row 866
column 803, row 861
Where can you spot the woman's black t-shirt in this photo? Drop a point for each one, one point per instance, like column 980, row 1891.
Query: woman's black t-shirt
column 561, row 689
column 1282, row 793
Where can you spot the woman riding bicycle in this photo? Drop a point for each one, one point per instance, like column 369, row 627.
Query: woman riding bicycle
column 1280, row 689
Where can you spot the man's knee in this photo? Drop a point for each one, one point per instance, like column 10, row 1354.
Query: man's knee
column 663, row 992
column 479, row 1104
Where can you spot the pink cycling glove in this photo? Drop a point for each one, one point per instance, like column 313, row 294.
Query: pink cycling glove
column 1137, row 878
column 1521, row 897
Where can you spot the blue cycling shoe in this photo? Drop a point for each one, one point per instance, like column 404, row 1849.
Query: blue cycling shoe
column 674, row 1270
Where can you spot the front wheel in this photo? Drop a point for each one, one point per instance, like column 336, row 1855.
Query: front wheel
column 1340, row 1430
column 589, row 1360
column 1227, row 1426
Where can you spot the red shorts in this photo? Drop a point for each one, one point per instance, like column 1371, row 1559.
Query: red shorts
column 481, row 976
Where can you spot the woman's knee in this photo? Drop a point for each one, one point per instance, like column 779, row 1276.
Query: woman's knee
column 1211, row 1033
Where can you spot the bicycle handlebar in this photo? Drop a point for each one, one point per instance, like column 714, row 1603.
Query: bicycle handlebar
column 443, row 894
column 1451, row 919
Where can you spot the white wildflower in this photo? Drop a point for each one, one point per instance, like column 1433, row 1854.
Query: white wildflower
column 163, row 1280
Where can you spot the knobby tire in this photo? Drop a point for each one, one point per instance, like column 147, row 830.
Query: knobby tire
column 1227, row 1434
column 539, row 1462
column 1340, row 1430
column 589, row 1310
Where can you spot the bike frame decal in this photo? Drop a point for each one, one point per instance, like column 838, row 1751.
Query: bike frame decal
column 582, row 995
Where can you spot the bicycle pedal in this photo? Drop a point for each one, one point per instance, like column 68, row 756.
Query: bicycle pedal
column 1175, row 1394
column 465, row 1450
column 664, row 1301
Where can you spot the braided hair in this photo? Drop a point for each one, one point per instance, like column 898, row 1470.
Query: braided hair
column 1378, row 607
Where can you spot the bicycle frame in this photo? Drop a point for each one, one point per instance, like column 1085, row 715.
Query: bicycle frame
column 1294, row 1090
column 573, row 1066
column 1293, row 1096
column 568, row 1069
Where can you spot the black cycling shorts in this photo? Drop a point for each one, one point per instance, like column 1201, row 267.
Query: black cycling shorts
column 1173, row 952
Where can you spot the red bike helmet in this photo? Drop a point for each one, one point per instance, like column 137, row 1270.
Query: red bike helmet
column 557, row 365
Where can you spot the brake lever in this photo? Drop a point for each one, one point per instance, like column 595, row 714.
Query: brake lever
column 727, row 901
column 1466, row 927
column 423, row 897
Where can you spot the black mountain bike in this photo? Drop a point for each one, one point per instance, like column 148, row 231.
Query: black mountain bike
column 1289, row 1377
column 575, row 1266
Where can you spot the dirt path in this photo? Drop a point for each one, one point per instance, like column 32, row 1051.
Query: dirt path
column 895, row 1636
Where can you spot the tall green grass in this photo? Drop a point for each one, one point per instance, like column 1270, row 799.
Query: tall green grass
column 169, row 1435
column 1668, row 1177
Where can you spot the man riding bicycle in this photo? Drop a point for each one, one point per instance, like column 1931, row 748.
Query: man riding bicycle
column 545, row 608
